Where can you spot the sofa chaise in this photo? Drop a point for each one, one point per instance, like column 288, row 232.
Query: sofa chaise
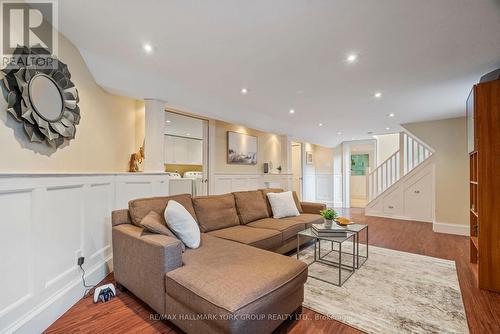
column 237, row 281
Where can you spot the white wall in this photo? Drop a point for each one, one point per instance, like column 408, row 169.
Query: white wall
column 387, row 145
column 48, row 221
column 105, row 137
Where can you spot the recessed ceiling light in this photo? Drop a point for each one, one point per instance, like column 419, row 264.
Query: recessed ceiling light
column 169, row 121
column 320, row 124
column 148, row 48
column 352, row 58
column 391, row 115
column 244, row 91
column 377, row 95
column 387, row 128
column 188, row 134
column 339, row 133
column 291, row 111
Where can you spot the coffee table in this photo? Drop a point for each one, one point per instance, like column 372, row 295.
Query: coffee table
column 345, row 269
column 359, row 229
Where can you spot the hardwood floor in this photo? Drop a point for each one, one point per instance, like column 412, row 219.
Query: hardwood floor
column 127, row 314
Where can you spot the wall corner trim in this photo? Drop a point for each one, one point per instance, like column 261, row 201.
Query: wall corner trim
column 450, row 228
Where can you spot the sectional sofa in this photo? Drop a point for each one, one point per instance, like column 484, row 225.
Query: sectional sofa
column 235, row 282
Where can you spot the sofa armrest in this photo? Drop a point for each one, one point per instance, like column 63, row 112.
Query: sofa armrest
column 309, row 207
column 119, row 217
column 140, row 262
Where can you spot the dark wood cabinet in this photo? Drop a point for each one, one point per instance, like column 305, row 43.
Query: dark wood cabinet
column 483, row 118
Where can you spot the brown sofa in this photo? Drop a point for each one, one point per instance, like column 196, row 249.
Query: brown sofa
column 235, row 282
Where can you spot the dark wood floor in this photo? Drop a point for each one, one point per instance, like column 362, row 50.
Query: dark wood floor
column 125, row 313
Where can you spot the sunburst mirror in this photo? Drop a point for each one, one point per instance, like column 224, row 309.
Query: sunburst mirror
column 43, row 98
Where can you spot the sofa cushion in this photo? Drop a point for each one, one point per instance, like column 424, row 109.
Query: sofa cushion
column 256, row 237
column 183, row 224
column 251, row 206
column 283, row 204
column 215, row 212
column 226, row 275
column 139, row 208
column 278, row 190
column 288, row 227
column 307, row 218
column 154, row 223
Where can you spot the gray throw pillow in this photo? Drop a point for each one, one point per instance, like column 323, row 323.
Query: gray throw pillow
column 153, row 223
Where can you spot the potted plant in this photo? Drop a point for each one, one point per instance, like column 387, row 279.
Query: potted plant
column 329, row 215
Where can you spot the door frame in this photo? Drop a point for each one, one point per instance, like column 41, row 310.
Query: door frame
column 208, row 154
column 301, row 173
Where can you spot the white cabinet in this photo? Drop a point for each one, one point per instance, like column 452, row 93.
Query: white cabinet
column 169, row 149
column 183, row 151
column 180, row 150
column 195, row 151
column 418, row 199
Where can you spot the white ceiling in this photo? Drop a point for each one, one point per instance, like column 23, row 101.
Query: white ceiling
column 423, row 56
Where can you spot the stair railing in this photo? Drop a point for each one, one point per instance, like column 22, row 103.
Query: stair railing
column 412, row 152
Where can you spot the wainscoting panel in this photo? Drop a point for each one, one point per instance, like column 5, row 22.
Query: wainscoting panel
column 324, row 189
column 48, row 221
column 230, row 182
column 16, row 248
column 64, row 210
column 309, row 187
column 337, row 190
column 97, row 228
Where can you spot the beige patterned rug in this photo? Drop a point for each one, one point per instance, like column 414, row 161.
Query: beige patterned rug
column 393, row 292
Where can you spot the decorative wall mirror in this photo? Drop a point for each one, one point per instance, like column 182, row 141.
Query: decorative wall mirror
column 43, row 98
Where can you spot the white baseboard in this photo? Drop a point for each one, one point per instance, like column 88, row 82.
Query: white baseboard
column 370, row 213
column 54, row 307
column 451, row 228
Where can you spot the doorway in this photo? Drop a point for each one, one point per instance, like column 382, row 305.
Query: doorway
column 362, row 155
column 186, row 153
column 297, row 168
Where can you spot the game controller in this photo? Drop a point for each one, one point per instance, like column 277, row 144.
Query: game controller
column 104, row 293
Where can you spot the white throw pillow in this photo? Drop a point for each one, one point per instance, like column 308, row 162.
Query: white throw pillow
column 283, row 204
column 180, row 221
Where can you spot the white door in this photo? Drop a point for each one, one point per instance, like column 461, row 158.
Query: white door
column 297, row 168
column 418, row 199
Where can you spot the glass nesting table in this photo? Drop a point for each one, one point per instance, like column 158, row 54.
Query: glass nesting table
column 343, row 253
column 360, row 230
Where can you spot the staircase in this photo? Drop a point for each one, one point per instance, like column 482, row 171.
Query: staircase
column 403, row 185
column 412, row 152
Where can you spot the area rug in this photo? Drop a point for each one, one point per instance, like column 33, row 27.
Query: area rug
column 393, row 292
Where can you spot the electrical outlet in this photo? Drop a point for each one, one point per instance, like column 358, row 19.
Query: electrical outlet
column 80, row 261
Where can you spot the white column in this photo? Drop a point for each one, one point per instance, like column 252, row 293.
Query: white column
column 346, row 174
column 154, row 124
